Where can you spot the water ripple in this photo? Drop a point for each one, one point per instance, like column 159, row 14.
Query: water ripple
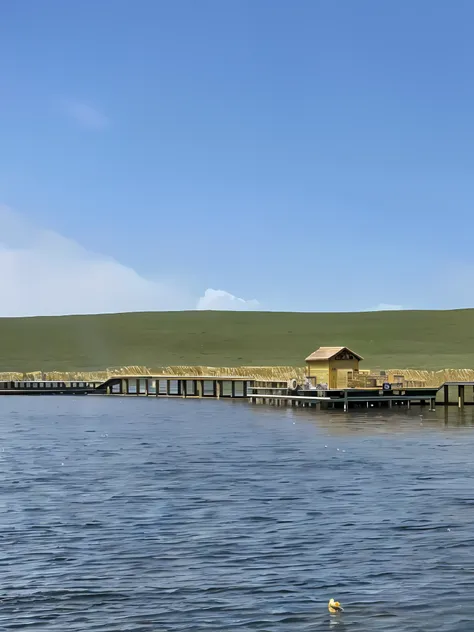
column 140, row 514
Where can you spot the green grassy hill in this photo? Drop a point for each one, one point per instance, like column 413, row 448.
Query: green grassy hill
column 416, row 339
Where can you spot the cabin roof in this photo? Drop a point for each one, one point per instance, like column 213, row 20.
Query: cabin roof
column 326, row 353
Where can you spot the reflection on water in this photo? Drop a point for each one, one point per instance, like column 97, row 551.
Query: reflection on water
column 137, row 514
column 378, row 420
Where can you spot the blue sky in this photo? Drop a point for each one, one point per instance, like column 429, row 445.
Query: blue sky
column 304, row 155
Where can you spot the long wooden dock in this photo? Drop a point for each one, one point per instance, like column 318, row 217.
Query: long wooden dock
column 214, row 387
column 347, row 398
column 49, row 387
column 271, row 392
column 449, row 394
column 187, row 386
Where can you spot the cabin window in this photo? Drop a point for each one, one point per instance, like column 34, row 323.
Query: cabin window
column 345, row 355
column 142, row 387
column 116, row 388
column 132, row 387
column 35, row 385
column 152, row 387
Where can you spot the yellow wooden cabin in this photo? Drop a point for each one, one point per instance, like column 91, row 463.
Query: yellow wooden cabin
column 333, row 366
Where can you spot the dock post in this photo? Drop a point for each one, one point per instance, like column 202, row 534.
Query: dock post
column 408, row 404
column 461, row 395
column 390, row 403
column 346, row 402
column 199, row 387
column 446, row 394
column 218, row 389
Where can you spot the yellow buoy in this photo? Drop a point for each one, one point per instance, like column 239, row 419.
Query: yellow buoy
column 334, row 607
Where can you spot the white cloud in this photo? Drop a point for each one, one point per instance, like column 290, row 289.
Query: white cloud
column 86, row 115
column 222, row 300
column 44, row 273
column 386, row 307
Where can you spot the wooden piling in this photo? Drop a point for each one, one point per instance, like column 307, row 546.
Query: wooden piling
column 446, row 394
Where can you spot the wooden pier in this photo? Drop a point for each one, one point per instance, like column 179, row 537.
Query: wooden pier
column 449, row 394
column 49, row 387
column 214, row 387
column 458, row 394
column 348, row 399
column 271, row 392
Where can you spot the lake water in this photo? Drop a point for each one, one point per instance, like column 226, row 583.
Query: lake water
column 136, row 514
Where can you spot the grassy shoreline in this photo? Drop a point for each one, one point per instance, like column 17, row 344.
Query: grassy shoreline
column 408, row 339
